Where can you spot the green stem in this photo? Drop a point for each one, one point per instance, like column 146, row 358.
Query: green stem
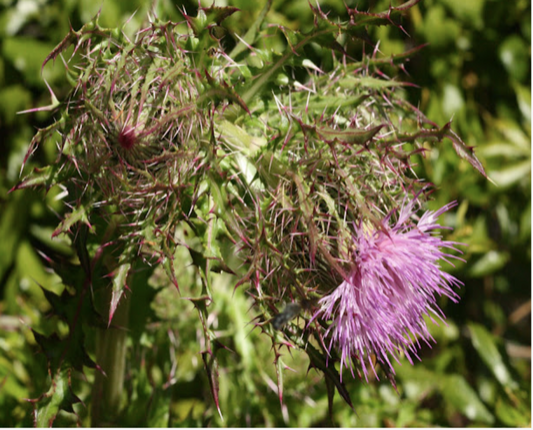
column 111, row 357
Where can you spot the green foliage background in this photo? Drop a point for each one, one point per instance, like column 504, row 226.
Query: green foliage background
column 475, row 70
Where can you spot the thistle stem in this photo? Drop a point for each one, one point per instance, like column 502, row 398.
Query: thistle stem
column 111, row 357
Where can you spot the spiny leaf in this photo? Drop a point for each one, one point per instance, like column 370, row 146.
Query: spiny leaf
column 217, row 265
column 77, row 37
column 251, row 35
column 438, row 134
column 68, row 40
column 357, row 136
column 348, row 136
column 220, row 90
column 79, row 214
column 237, row 138
column 465, row 151
column 52, row 347
column 52, row 106
column 321, row 362
column 324, row 33
column 393, row 59
column 59, row 397
column 73, row 307
column 389, row 17
column 62, row 305
column 46, row 176
column 167, row 261
column 211, row 368
column 65, row 353
column 320, row 103
column 217, row 14
column 370, row 82
column 120, row 276
column 279, row 374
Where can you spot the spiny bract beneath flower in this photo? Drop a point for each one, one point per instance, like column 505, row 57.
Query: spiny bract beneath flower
column 394, row 282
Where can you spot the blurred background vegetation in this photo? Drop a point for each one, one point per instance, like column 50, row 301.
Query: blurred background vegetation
column 475, row 70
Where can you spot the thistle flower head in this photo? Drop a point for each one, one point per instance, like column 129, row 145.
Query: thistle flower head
column 394, row 282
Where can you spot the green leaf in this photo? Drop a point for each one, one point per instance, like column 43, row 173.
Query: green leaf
column 149, row 404
column 515, row 56
column 503, row 148
column 319, row 103
column 320, row 361
column 159, row 413
column 439, row 30
column 26, row 54
column 143, row 293
column 13, row 223
column 348, row 136
column 59, row 397
column 65, row 353
column 279, row 373
column 470, row 12
column 79, row 214
column 251, row 35
column 462, row 397
column 511, row 415
column 438, row 134
column 523, row 97
column 237, row 138
column 211, row 368
column 369, row 82
column 389, row 17
column 490, row 263
column 12, row 100
column 512, row 174
column 46, row 176
column 485, row 345
column 11, row 385
column 119, row 277
column 417, row 382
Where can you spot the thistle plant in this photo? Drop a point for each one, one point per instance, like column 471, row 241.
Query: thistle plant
column 305, row 174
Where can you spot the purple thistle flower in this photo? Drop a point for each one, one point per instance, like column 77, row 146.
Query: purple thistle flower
column 379, row 308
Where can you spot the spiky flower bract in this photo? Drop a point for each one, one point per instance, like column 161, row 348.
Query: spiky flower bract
column 393, row 283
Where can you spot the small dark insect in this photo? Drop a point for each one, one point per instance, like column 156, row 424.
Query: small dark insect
column 291, row 311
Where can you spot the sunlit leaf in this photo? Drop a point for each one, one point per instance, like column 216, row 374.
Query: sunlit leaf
column 463, row 398
column 485, row 345
column 489, row 263
column 511, row 174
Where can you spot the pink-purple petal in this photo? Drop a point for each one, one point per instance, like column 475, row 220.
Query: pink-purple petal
column 394, row 282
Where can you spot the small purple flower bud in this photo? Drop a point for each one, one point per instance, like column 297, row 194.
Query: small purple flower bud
column 127, row 137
